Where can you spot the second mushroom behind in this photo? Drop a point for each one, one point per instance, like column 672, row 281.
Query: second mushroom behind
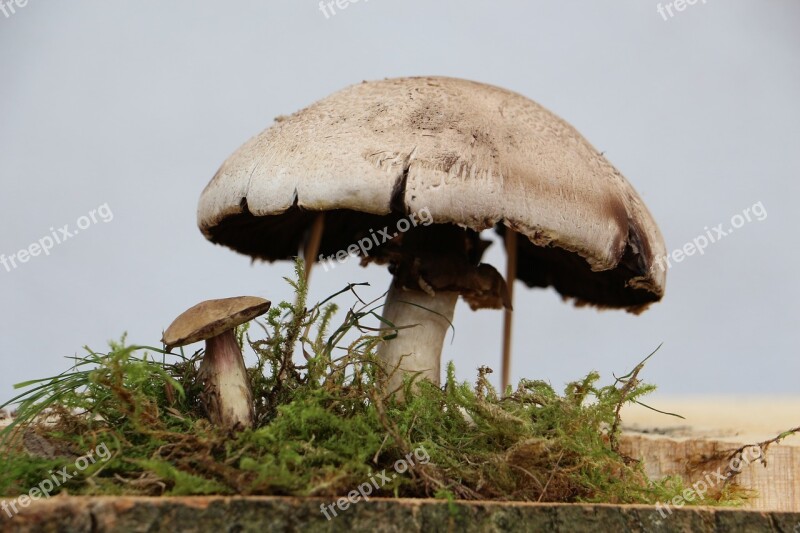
column 408, row 172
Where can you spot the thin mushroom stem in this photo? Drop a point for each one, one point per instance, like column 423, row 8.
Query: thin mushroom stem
column 227, row 394
column 416, row 349
column 313, row 243
column 508, row 315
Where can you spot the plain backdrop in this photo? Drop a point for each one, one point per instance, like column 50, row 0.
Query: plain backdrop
column 136, row 104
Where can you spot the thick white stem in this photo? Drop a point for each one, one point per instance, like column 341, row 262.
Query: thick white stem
column 417, row 349
column 227, row 394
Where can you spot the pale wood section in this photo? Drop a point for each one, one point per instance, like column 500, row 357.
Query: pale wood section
column 777, row 483
column 714, row 426
column 749, row 418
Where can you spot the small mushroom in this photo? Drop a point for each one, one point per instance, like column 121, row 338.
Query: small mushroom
column 227, row 394
column 472, row 157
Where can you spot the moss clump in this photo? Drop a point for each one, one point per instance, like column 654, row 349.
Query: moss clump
column 324, row 426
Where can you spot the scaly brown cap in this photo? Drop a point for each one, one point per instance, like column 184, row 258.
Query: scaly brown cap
column 212, row 317
column 473, row 155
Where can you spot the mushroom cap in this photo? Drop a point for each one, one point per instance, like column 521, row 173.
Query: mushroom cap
column 472, row 155
column 211, row 318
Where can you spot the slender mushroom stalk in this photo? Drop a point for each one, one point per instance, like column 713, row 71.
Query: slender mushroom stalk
column 432, row 267
column 227, row 394
column 417, row 348
column 312, row 244
column 508, row 315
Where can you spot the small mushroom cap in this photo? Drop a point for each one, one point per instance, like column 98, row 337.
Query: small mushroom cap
column 465, row 153
column 211, row 318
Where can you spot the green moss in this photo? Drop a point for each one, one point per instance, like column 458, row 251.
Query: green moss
column 325, row 425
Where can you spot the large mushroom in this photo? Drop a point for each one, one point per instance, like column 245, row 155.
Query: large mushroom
column 377, row 155
column 227, row 394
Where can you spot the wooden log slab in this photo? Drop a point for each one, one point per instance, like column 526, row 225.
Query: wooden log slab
column 701, row 446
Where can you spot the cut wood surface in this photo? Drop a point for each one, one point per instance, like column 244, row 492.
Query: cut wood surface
column 72, row 514
column 714, row 427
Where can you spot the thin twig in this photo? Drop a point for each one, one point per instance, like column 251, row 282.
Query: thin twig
column 508, row 314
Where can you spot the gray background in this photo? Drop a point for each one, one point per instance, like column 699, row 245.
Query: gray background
column 136, row 104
